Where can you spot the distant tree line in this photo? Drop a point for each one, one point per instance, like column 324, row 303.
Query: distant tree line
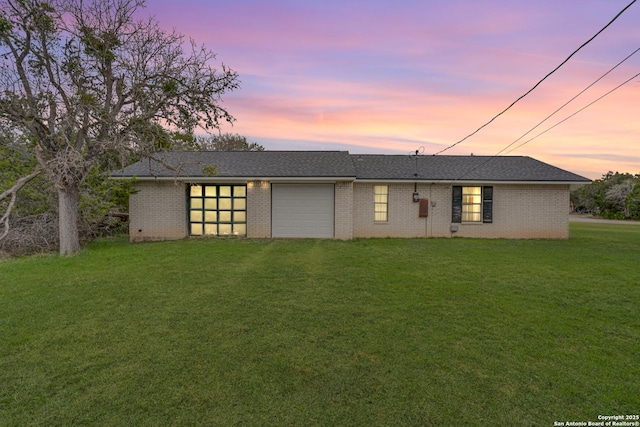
column 614, row 196
column 226, row 142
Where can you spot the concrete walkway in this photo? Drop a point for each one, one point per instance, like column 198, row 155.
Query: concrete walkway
column 591, row 219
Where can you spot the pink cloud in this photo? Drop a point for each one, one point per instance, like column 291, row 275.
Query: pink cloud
column 389, row 76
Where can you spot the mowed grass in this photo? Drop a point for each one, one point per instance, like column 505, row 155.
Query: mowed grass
column 316, row 332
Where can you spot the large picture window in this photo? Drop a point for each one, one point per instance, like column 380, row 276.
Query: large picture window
column 218, row 210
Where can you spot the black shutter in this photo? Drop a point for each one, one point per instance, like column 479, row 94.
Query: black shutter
column 456, row 204
column 487, row 204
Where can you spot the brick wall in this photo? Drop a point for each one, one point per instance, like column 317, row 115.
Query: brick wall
column 519, row 211
column 525, row 212
column 440, row 214
column 343, row 210
column 158, row 211
column 259, row 209
column 403, row 212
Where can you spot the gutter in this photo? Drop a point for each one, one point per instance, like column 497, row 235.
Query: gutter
column 470, row 182
column 294, row 179
column 230, row 179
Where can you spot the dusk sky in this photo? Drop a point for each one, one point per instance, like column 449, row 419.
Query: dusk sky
column 390, row 77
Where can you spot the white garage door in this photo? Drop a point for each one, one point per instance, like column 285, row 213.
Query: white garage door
column 302, row 210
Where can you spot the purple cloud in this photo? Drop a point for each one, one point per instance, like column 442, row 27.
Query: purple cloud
column 386, row 76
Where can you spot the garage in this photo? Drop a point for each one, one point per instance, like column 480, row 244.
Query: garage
column 302, row 210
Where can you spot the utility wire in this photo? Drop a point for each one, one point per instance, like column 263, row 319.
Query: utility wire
column 539, row 82
column 548, row 129
column 569, row 101
column 579, row 111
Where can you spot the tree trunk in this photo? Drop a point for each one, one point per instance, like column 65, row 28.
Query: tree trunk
column 68, row 201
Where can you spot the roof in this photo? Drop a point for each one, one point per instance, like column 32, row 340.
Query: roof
column 245, row 164
column 341, row 164
column 460, row 168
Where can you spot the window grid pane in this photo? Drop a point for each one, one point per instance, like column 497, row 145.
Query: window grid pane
column 225, row 191
column 380, row 216
column 211, row 216
column 224, row 204
column 211, row 204
column 196, row 190
column 239, row 204
column 471, row 217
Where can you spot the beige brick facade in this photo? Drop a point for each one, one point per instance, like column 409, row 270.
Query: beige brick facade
column 519, row 211
column 259, row 209
column 343, row 210
column 525, row 212
column 403, row 215
column 158, row 211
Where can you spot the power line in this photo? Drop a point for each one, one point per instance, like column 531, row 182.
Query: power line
column 548, row 129
column 569, row 101
column 539, row 82
column 579, row 111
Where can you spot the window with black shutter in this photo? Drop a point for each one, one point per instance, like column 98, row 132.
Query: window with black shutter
column 456, row 211
column 487, row 204
column 472, row 204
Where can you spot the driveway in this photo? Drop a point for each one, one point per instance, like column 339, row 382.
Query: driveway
column 589, row 218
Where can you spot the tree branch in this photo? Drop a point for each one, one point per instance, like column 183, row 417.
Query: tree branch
column 13, row 192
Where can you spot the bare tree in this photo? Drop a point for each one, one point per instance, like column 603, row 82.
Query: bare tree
column 84, row 81
column 11, row 195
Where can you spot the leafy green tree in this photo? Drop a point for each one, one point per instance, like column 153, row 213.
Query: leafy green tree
column 615, row 195
column 86, row 82
column 228, row 142
column 103, row 203
column 615, row 200
column 633, row 200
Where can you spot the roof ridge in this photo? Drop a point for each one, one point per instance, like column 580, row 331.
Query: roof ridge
column 335, row 163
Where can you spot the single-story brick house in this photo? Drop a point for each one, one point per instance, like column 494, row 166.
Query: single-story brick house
column 337, row 195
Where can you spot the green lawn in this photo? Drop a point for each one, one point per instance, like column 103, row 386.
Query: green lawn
column 315, row 332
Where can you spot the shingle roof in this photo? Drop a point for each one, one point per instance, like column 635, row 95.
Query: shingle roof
column 341, row 164
column 456, row 168
column 258, row 164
